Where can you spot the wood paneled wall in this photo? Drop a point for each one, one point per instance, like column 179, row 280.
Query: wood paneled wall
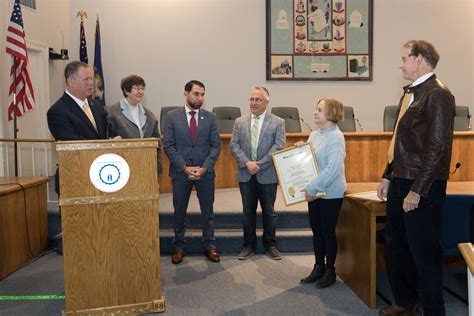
column 366, row 158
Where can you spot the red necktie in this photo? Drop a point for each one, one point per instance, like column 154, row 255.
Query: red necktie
column 192, row 125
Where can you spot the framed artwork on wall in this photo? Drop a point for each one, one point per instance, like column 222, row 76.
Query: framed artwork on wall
column 319, row 39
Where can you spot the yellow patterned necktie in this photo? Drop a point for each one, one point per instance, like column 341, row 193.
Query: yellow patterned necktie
column 87, row 111
column 254, row 138
column 403, row 109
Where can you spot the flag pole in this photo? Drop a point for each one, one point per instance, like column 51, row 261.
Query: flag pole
column 15, row 129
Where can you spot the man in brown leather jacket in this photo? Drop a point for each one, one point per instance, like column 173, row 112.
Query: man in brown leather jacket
column 414, row 184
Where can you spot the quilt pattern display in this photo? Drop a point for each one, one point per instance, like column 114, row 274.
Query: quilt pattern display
column 319, row 39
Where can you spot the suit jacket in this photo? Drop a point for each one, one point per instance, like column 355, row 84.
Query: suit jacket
column 422, row 149
column 271, row 139
column 180, row 148
column 67, row 121
column 121, row 123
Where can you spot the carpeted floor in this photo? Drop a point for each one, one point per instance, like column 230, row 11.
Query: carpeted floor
column 258, row 286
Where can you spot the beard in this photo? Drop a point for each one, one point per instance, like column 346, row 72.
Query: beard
column 195, row 106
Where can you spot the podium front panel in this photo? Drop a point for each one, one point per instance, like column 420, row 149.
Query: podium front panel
column 110, row 240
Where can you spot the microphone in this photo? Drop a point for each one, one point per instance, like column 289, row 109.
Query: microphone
column 303, row 121
column 456, row 167
column 107, row 130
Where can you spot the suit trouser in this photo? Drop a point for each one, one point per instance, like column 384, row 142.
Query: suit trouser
column 413, row 247
column 323, row 215
column 182, row 188
column 252, row 192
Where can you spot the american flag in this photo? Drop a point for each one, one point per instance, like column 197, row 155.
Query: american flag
column 99, row 83
column 16, row 47
column 82, row 45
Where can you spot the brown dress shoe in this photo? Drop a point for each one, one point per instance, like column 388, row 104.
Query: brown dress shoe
column 177, row 256
column 395, row 310
column 212, row 255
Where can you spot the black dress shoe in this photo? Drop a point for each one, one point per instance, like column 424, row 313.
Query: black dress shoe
column 328, row 278
column 177, row 256
column 315, row 275
column 394, row 310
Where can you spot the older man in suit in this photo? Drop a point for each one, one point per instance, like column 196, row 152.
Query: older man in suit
column 75, row 116
column 254, row 138
column 414, row 184
column 192, row 144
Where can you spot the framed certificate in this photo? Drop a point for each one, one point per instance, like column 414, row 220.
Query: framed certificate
column 295, row 167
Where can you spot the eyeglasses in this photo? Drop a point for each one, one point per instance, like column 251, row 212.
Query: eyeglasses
column 256, row 100
column 138, row 88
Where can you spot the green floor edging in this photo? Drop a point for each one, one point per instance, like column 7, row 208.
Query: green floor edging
column 30, row 297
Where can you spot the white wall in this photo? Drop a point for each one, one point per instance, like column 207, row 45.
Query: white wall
column 222, row 43
column 43, row 25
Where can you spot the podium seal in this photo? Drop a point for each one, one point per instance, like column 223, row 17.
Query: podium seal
column 109, row 173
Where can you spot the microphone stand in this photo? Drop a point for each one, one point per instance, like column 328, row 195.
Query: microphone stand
column 306, row 124
column 360, row 125
column 301, row 121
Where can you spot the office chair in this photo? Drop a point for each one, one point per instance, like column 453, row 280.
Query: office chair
column 389, row 117
column 164, row 111
column 291, row 117
column 226, row 116
column 462, row 120
column 348, row 125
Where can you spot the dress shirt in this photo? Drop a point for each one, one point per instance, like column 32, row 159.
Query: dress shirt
column 80, row 103
column 188, row 115
column 417, row 82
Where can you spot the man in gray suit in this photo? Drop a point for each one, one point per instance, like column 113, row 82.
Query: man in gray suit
column 192, row 144
column 254, row 138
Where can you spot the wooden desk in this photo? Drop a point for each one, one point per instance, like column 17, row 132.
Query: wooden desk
column 356, row 260
column 23, row 221
column 366, row 157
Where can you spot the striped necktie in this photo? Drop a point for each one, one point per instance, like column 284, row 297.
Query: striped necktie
column 403, row 109
column 87, row 111
column 254, row 138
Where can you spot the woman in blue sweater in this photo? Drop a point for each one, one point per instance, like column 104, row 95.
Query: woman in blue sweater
column 329, row 148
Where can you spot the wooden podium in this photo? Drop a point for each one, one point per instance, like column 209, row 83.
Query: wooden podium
column 110, row 240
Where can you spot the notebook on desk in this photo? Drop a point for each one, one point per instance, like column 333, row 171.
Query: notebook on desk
column 366, row 196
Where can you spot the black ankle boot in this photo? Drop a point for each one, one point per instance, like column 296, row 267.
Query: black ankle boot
column 328, row 278
column 316, row 274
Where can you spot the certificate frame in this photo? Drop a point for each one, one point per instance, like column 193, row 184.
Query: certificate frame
column 295, row 168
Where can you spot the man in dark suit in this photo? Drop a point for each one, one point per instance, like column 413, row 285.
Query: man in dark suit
column 75, row 116
column 255, row 137
column 414, row 184
column 192, row 144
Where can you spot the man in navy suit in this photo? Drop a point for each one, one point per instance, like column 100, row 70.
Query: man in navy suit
column 75, row 116
column 192, row 144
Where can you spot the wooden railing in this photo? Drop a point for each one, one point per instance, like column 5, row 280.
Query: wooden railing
column 36, row 157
